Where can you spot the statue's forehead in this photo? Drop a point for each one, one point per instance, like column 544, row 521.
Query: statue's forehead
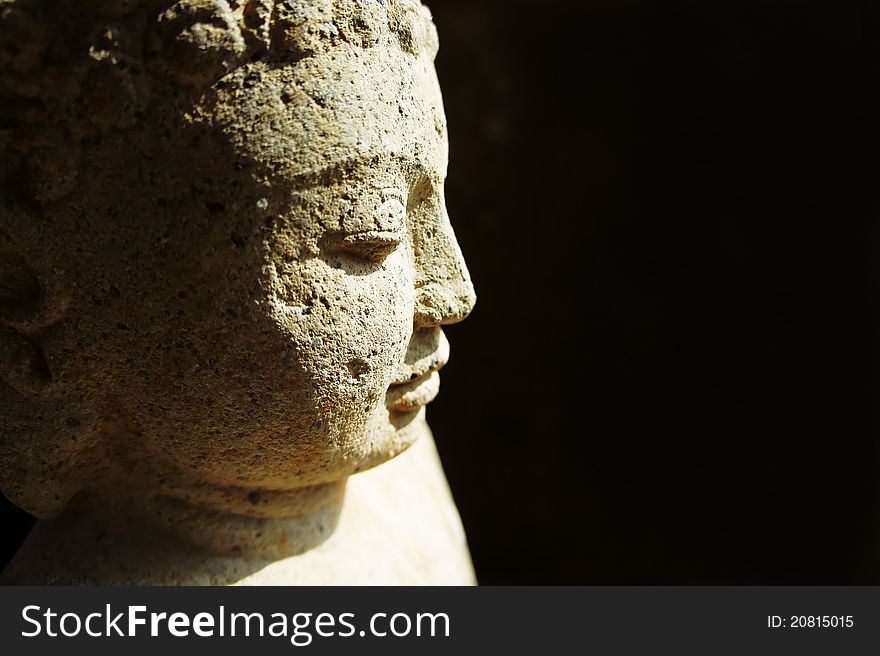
column 387, row 106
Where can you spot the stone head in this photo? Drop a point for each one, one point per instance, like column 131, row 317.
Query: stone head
column 225, row 258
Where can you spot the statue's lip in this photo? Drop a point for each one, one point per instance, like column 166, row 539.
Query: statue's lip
column 413, row 394
column 423, row 367
column 418, row 383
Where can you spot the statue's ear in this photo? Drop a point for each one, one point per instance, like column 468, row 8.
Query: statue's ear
column 20, row 292
column 39, row 470
column 22, row 315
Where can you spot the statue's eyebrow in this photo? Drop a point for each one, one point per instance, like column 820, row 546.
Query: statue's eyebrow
column 336, row 171
column 325, row 176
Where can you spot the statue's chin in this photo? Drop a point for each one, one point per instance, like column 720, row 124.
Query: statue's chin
column 404, row 429
column 152, row 475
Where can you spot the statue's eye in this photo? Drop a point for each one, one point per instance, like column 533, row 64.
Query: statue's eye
column 371, row 245
column 383, row 234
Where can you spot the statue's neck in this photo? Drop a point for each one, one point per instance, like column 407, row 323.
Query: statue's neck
column 269, row 525
column 143, row 494
column 162, row 540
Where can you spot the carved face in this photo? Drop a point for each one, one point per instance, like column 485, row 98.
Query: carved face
column 258, row 279
column 317, row 272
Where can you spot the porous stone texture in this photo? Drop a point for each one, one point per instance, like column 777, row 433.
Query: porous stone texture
column 225, row 261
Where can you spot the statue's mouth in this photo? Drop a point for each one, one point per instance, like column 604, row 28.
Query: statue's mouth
column 417, row 382
column 413, row 394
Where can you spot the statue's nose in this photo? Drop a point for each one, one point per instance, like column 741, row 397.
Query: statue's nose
column 444, row 291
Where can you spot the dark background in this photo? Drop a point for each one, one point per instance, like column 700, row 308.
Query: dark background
column 669, row 212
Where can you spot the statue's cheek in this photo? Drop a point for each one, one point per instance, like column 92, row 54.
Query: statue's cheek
column 349, row 333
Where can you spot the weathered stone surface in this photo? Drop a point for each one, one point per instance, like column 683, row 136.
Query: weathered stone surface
column 225, row 261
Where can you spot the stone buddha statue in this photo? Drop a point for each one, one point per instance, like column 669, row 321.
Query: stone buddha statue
column 225, row 264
